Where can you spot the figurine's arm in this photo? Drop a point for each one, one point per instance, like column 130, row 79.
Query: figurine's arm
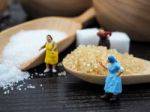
column 43, row 46
column 55, row 46
column 108, row 34
column 103, row 65
column 121, row 71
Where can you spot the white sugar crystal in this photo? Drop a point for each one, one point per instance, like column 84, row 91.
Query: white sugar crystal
column 41, row 74
column 87, row 36
column 9, row 74
column 19, row 89
column 22, row 46
column 23, row 82
column 12, row 88
column 31, row 76
column 59, row 74
column 62, row 73
column 5, row 92
column 19, row 86
column 120, row 41
column 31, row 86
column 59, row 64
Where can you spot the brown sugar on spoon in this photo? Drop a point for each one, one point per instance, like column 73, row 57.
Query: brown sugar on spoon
column 87, row 59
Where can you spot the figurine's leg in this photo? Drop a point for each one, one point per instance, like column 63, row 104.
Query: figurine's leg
column 115, row 97
column 106, row 96
column 54, row 68
column 47, row 68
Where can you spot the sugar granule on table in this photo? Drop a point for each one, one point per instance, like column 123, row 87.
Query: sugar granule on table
column 22, row 46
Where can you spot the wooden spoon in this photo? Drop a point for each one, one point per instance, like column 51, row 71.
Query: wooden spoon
column 142, row 77
column 68, row 25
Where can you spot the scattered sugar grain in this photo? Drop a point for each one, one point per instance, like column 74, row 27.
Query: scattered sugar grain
column 19, row 89
column 41, row 74
column 5, row 92
column 30, row 86
column 11, row 88
column 62, row 73
column 31, row 76
column 41, row 85
column 59, row 64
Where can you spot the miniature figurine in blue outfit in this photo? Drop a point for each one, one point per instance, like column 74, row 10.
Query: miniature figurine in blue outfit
column 113, row 83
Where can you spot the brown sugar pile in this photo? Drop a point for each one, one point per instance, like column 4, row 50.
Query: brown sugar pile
column 86, row 59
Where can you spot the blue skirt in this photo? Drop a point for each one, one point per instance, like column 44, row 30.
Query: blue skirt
column 113, row 84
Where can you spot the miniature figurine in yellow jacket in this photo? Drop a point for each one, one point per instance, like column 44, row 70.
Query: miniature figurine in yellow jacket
column 51, row 57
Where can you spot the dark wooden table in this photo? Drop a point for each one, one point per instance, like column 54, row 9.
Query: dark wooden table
column 70, row 94
column 66, row 94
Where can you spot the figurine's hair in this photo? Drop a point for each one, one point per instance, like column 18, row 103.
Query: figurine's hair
column 112, row 59
column 50, row 37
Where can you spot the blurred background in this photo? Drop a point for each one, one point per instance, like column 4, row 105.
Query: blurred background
column 130, row 16
column 13, row 12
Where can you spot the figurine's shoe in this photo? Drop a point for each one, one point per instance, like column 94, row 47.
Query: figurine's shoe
column 46, row 70
column 54, row 70
column 106, row 96
column 114, row 98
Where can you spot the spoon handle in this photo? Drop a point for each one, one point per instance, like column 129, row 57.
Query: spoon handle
column 86, row 16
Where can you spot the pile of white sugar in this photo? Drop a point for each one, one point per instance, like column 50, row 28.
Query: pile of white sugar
column 23, row 46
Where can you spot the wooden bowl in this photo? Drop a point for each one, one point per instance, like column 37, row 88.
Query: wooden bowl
column 3, row 6
column 39, row 8
column 131, row 16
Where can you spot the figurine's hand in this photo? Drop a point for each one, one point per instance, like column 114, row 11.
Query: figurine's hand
column 119, row 74
column 40, row 49
column 102, row 63
column 52, row 51
column 121, row 71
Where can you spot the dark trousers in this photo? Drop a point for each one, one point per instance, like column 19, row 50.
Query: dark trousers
column 104, row 42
